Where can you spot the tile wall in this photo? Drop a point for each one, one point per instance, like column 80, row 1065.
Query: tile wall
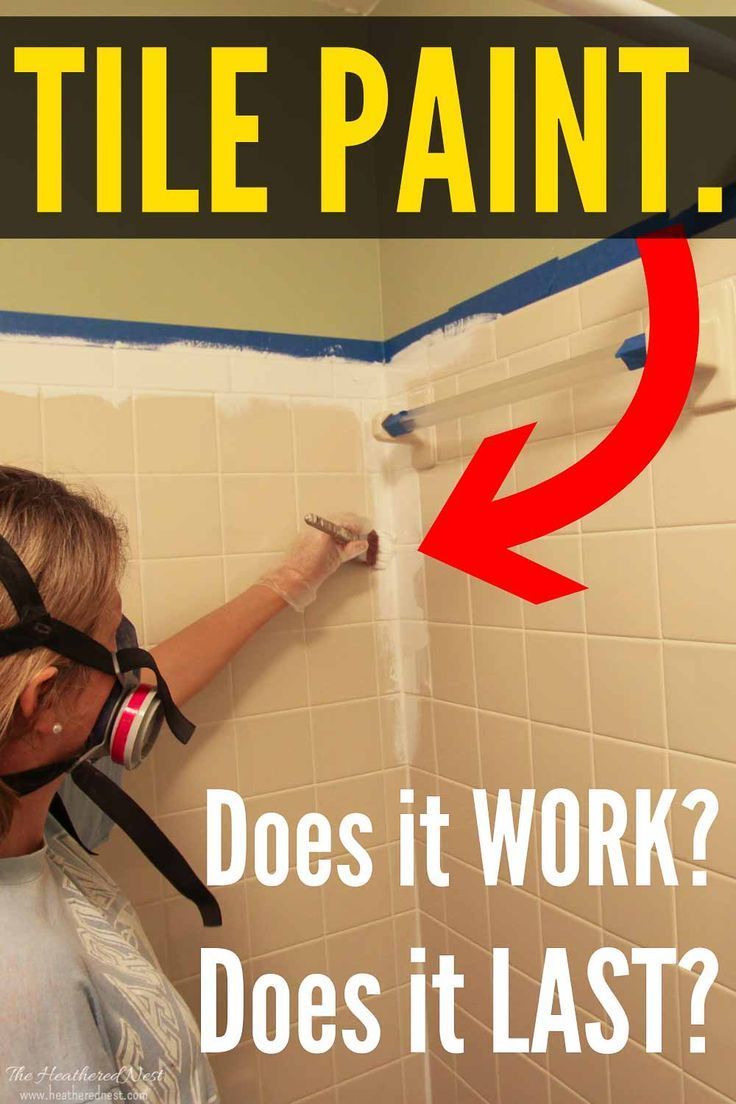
column 420, row 676
column 629, row 684
column 213, row 458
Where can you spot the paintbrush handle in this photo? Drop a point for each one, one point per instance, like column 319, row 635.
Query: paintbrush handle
column 337, row 532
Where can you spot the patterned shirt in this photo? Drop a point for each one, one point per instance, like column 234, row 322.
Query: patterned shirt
column 85, row 1010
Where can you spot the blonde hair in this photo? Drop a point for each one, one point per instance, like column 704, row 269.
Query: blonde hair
column 73, row 546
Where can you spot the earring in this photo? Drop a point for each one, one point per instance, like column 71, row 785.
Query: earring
column 57, row 729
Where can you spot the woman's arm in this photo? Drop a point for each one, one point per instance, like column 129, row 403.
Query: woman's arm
column 191, row 659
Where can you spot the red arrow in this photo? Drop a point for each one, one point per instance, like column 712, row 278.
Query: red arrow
column 475, row 531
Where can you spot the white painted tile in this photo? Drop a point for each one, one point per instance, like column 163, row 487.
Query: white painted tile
column 56, row 362
column 272, row 374
column 169, row 369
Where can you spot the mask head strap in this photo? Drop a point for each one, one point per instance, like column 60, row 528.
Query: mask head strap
column 37, row 629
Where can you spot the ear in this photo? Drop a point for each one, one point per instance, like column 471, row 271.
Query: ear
column 31, row 699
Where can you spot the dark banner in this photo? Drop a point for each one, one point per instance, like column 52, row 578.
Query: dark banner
column 365, row 127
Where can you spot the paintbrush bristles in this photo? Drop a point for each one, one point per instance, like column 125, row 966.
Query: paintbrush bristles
column 380, row 544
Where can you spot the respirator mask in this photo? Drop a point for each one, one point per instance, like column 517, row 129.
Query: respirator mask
column 125, row 730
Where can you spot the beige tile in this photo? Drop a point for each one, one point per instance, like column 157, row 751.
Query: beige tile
column 521, row 1079
column 631, row 508
column 687, row 490
column 382, row 1083
column 626, row 689
column 270, row 674
column 183, row 776
column 586, row 1072
column 363, row 794
column 185, row 935
column 347, row 739
column 491, row 606
column 705, row 918
column 626, row 767
column 351, row 906
column 690, row 772
column 631, row 991
column 701, row 722
column 255, row 434
column 564, row 555
column 560, row 1094
column 456, row 740
column 368, row 950
column 642, row 914
column 236, row 1072
column 692, row 566
column 20, row 415
column 579, row 898
column 698, row 1093
column 292, row 806
column 460, row 837
column 505, row 753
column 516, row 924
column 474, row 963
column 436, row 485
column 557, row 676
column 243, row 571
column 477, row 1065
column 327, row 438
column 293, row 964
column 285, row 1077
column 447, row 593
column 580, row 939
column 282, row 916
column 544, row 320
column 331, row 495
column 180, row 516
column 341, row 663
column 539, row 460
column 344, row 598
column 348, row 1065
column 640, row 1077
column 500, row 670
column 451, row 656
column 465, row 903
column 717, row 1067
column 562, row 759
column 621, row 576
column 420, row 733
column 177, row 592
column 87, row 433
column 274, row 752
column 258, row 512
column 137, row 877
column 175, row 433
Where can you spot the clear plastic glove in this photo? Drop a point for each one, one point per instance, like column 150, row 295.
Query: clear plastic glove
column 312, row 558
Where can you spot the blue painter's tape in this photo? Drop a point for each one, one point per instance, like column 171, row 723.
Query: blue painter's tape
column 633, row 352
column 105, row 331
column 398, row 424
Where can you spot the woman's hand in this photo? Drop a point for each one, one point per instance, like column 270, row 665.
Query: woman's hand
column 312, row 558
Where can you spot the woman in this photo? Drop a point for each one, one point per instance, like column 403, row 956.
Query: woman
column 86, row 1011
